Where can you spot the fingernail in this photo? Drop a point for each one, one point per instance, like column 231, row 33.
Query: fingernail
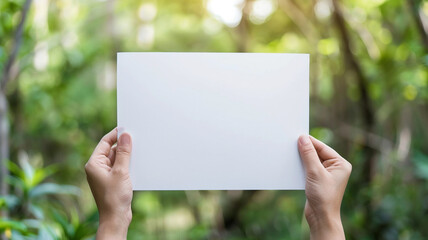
column 304, row 139
column 125, row 139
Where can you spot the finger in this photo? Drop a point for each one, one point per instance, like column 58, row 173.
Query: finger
column 105, row 144
column 112, row 154
column 324, row 152
column 308, row 154
column 123, row 152
column 331, row 162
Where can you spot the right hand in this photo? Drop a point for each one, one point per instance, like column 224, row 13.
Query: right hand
column 327, row 174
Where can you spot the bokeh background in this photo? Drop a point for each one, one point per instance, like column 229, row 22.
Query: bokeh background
column 369, row 95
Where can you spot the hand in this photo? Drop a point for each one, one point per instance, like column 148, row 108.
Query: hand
column 107, row 172
column 327, row 174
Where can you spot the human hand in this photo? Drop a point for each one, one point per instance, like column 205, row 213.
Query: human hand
column 107, row 172
column 327, row 174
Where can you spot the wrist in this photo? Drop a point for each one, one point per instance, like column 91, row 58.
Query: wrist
column 326, row 226
column 113, row 227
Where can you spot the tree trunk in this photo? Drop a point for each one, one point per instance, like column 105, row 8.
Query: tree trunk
column 4, row 144
column 4, row 122
column 4, row 153
column 366, row 105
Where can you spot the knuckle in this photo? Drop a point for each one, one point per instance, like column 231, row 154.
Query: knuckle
column 121, row 151
column 105, row 137
column 307, row 149
column 88, row 167
column 347, row 165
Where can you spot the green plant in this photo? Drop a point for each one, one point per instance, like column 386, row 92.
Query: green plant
column 37, row 207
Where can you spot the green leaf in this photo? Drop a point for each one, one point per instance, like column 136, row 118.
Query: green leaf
column 47, row 232
column 53, row 188
column 13, row 168
column 16, row 182
column 28, row 171
column 62, row 220
column 12, row 225
column 42, row 173
column 9, row 201
column 36, row 211
column 420, row 161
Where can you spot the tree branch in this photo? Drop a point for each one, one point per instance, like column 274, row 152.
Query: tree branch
column 243, row 27
column 355, row 65
column 414, row 10
column 17, row 44
column 231, row 213
column 300, row 19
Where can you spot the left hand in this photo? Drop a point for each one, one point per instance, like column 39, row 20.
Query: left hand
column 108, row 176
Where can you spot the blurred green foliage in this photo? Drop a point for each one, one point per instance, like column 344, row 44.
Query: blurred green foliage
column 37, row 206
column 369, row 95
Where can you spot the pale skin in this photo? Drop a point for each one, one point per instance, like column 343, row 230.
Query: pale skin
column 327, row 174
column 107, row 172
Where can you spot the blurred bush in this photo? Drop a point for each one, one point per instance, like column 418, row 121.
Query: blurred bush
column 37, row 207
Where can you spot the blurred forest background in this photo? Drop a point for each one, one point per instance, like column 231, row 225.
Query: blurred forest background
column 369, row 100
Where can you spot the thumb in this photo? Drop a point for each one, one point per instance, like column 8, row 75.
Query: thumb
column 308, row 154
column 123, row 152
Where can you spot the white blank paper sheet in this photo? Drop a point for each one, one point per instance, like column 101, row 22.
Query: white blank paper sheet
column 205, row 121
